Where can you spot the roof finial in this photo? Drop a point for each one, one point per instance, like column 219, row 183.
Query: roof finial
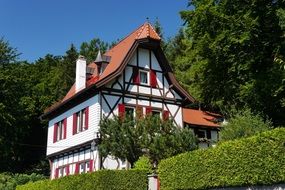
column 147, row 19
column 99, row 57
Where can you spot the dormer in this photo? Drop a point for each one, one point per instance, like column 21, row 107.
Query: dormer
column 101, row 62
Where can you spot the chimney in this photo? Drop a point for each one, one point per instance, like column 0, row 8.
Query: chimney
column 80, row 81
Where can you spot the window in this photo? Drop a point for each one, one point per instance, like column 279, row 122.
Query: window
column 60, row 130
column 143, row 77
column 130, row 112
column 84, row 167
column 201, row 133
column 155, row 113
column 80, row 121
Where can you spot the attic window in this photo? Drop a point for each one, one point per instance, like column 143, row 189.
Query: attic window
column 143, row 77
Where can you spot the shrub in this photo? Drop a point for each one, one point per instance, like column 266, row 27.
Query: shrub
column 257, row 160
column 143, row 163
column 100, row 180
column 10, row 181
column 244, row 124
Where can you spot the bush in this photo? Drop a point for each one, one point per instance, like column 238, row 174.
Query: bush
column 244, row 124
column 10, row 181
column 143, row 163
column 257, row 160
column 100, row 180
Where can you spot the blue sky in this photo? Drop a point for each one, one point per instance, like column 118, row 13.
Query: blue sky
column 38, row 27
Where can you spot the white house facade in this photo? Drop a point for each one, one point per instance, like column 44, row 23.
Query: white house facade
column 133, row 75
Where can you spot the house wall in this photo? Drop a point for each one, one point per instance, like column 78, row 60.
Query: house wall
column 80, row 138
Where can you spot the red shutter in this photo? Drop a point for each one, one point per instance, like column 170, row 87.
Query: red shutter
column 153, row 80
column 122, row 110
column 74, row 129
column 91, row 166
column 165, row 115
column 65, row 128
column 76, row 171
column 67, row 170
column 139, row 112
column 86, row 117
column 56, row 173
column 136, row 77
column 148, row 110
column 55, row 132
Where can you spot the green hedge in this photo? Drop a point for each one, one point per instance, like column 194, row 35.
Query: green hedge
column 103, row 180
column 258, row 160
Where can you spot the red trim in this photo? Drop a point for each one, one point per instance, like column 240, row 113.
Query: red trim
column 55, row 132
column 65, row 127
column 158, row 183
column 91, row 166
column 153, row 81
column 122, row 110
column 74, row 128
column 148, row 110
column 76, row 171
column 165, row 115
column 56, row 173
column 86, row 117
column 67, row 170
column 136, row 76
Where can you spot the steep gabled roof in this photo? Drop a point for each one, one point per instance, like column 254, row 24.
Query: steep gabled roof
column 201, row 118
column 120, row 54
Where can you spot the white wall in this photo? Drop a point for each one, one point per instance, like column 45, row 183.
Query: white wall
column 84, row 136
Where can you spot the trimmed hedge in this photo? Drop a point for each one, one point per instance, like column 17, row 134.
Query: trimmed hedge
column 100, row 180
column 258, row 160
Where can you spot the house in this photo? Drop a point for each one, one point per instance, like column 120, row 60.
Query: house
column 133, row 75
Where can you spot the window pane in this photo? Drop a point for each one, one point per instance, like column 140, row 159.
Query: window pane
column 156, row 113
column 143, row 77
column 130, row 112
column 83, row 119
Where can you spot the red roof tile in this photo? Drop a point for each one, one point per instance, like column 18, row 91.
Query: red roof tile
column 198, row 117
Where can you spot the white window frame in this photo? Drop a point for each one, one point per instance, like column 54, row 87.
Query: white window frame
column 134, row 111
column 202, row 130
column 60, row 130
column 147, row 77
column 80, row 120
column 158, row 112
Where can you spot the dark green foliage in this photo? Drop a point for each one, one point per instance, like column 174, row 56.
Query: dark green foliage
column 230, row 54
column 10, row 181
column 244, row 124
column 256, row 160
column 129, row 139
column 100, row 180
column 8, row 54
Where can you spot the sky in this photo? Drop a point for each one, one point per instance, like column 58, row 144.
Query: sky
column 39, row 27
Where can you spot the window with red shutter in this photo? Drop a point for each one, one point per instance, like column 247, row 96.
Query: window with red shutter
column 139, row 112
column 67, row 170
column 56, row 173
column 122, row 109
column 153, row 79
column 136, row 77
column 76, row 171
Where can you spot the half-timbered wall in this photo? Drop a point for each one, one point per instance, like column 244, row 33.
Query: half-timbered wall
column 124, row 90
column 79, row 138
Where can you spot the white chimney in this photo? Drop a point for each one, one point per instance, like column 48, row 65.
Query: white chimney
column 80, row 80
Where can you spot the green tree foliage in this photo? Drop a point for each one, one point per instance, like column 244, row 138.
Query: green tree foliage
column 10, row 181
column 129, row 139
column 143, row 163
column 229, row 56
column 244, row 124
column 90, row 49
column 8, row 54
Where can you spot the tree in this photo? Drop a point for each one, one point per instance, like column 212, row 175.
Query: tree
column 244, row 124
column 90, row 49
column 150, row 136
column 8, row 54
column 229, row 59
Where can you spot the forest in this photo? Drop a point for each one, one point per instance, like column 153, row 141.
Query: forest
column 229, row 55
